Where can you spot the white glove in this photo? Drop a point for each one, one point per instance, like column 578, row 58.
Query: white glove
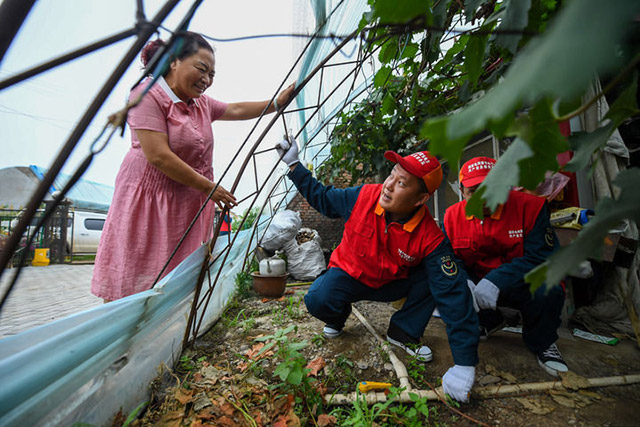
column 486, row 294
column 457, row 382
column 288, row 150
column 472, row 288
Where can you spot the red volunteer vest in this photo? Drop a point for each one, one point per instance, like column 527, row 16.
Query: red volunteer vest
column 483, row 245
column 375, row 253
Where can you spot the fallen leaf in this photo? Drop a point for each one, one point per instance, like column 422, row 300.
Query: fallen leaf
column 283, row 404
column 315, row 365
column 226, row 421
column 320, row 388
column 570, row 400
column 201, row 401
column 535, row 406
column 288, row 420
column 488, row 379
column 206, row 414
column 197, row 377
column 254, row 350
column 502, row 374
column 595, row 396
column 325, row 420
column 243, row 366
column 183, row 396
column 227, row 408
column 573, row 381
column 171, row 419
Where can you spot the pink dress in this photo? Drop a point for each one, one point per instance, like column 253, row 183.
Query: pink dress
column 150, row 212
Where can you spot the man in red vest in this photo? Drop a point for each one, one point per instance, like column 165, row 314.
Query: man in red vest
column 497, row 251
column 392, row 248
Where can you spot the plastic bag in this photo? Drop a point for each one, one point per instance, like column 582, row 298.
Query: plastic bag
column 305, row 260
column 283, row 228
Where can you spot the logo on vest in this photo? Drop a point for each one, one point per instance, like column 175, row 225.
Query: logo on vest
column 449, row 266
column 405, row 256
column 516, row 234
column 548, row 237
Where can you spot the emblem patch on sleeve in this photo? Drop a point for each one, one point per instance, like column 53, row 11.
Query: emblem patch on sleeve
column 448, row 266
column 548, row 237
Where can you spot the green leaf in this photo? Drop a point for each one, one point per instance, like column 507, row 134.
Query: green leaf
column 514, row 19
column 388, row 51
column 434, row 130
column 282, row 371
column 134, row 414
column 410, row 50
column 295, row 376
column 474, row 56
column 388, row 105
column 609, row 213
column 382, row 76
column 470, row 7
column 537, row 276
column 504, row 175
column 457, row 47
column 541, row 132
column 541, row 67
column 400, row 11
column 585, row 144
column 475, row 205
column 625, row 105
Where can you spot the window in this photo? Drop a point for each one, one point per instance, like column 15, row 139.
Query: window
column 94, row 224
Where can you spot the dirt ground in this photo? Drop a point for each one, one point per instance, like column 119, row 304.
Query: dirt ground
column 223, row 380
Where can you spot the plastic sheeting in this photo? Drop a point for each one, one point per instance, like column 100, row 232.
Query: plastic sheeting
column 86, row 367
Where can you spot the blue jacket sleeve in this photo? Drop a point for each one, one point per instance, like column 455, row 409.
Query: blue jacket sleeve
column 539, row 244
column 329, row 201
column 453, row 299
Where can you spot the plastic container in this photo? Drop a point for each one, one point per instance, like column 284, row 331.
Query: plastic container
column 41, row 257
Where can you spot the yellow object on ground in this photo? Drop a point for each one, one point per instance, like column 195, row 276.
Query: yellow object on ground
column 365, row 386
column 41, row 257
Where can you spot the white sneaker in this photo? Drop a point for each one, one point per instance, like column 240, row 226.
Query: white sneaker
column 330, row 332
column 423, row 353
column 551, row 360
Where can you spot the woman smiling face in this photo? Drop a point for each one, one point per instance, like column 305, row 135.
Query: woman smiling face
column 191, row 76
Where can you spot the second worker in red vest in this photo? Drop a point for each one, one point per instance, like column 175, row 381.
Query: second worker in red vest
column 497, row 251
column 392, row 248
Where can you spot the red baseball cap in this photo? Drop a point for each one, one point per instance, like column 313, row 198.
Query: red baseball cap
column 421, row 164
column 475, row 170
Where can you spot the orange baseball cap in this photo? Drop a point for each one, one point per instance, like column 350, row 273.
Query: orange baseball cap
column 475, row 170
column 421, row 164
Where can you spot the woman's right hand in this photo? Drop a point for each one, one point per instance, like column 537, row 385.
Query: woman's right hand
column 222, row 197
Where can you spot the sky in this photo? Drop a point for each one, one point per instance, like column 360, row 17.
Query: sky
column 38, row 115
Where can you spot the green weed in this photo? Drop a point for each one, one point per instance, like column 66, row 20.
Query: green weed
column 388, row 413
column 318, row 340
column 293, row 307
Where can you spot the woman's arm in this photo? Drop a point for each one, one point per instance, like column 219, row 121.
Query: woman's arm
column 252, row 109
column 155, row 146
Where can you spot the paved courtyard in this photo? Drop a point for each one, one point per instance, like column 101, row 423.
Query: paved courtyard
column 44, row 294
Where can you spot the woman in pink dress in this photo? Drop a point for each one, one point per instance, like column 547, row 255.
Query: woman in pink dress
column 167, row 174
